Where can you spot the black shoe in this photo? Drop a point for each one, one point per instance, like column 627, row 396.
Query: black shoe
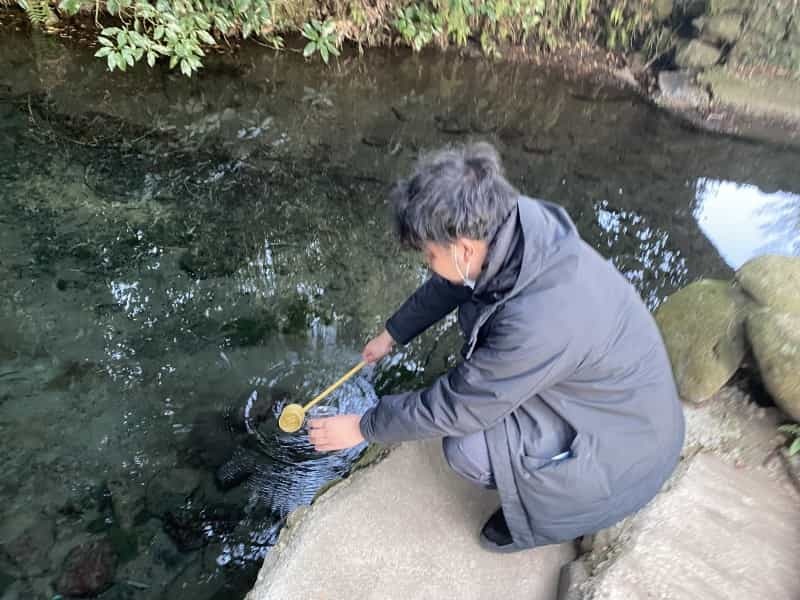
column 495, row 535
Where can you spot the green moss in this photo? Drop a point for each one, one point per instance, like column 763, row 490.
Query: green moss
column 372, row 454
column 703, row 329
column 775, row 338
column 326, row 487
column 773, row 280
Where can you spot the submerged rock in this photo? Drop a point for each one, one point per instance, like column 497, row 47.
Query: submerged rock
column 171, row 488
column 775, row 338
column 29, row 550
column 191, row 528
column 72, row 373
column 88, row 569
column 703, row 329
column 236, row 470
column 772, row 281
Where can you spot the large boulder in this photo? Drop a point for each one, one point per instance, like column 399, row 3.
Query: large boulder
column 697, row 55
column 772, row 281
column 719, row 29
column 703, row 329
column 662, row 9
column 775, row 338
column 717, row 7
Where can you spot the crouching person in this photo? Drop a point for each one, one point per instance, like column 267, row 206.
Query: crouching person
column 564, row 401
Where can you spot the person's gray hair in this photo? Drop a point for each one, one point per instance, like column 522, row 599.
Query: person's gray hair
column 452, row 193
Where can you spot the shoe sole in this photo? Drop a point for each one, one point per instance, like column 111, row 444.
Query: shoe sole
column 489, row 545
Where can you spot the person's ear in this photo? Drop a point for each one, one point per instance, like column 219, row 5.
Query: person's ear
column 467, row 250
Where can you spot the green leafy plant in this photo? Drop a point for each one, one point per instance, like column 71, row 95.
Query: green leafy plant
column 38, row 11
column 626, row 23
column 417, row 25
column 793, row 432
column 69, row 7
column 180, row 31
column 322, row 39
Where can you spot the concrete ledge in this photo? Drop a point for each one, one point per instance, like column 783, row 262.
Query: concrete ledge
column 721, row 533
column 404, row 529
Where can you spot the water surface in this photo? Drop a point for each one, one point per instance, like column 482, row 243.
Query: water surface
column 171, row 247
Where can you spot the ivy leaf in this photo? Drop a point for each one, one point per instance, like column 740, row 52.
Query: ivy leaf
column 795, row 447
column 334, row 50
column 127, row 55
column 206, row 37
column 158, row 33
column 104, row 51
column 70, row 7
column 323, row 51
column 221, row 23
column 186, row 69
column 309, row 32
column 151, row 58
column 111, row 60
column 309, row 49
column 328, row 28
column 105, row 41
column 173, row 60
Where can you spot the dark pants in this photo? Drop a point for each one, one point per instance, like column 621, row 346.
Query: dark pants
column 469, row 457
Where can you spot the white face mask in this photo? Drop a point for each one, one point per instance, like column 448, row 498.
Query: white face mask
column 470, row 283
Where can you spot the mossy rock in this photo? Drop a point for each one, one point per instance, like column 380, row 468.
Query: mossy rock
column 717, row 7
column 775, row 338
column 697, row 55
column 703, row 329
column 720, row 29
column 773, row 281
column 747, row 94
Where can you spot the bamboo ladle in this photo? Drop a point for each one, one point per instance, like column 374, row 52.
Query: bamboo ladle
column 293, row 415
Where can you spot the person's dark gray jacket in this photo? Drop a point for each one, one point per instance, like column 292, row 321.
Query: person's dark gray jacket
column 561, row 354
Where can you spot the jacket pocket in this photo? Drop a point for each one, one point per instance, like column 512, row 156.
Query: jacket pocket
column 578, row 480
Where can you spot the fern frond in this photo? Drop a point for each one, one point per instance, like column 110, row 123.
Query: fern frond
column 38, row 11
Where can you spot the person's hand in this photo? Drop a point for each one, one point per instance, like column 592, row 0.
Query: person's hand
column 335, row 433
column 378, row 347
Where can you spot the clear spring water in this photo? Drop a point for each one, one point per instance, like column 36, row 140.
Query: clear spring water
column 170, row 247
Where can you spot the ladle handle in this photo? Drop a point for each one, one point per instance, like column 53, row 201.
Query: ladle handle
column 334, row 385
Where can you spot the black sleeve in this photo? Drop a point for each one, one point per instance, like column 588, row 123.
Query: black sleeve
column 432, row 301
